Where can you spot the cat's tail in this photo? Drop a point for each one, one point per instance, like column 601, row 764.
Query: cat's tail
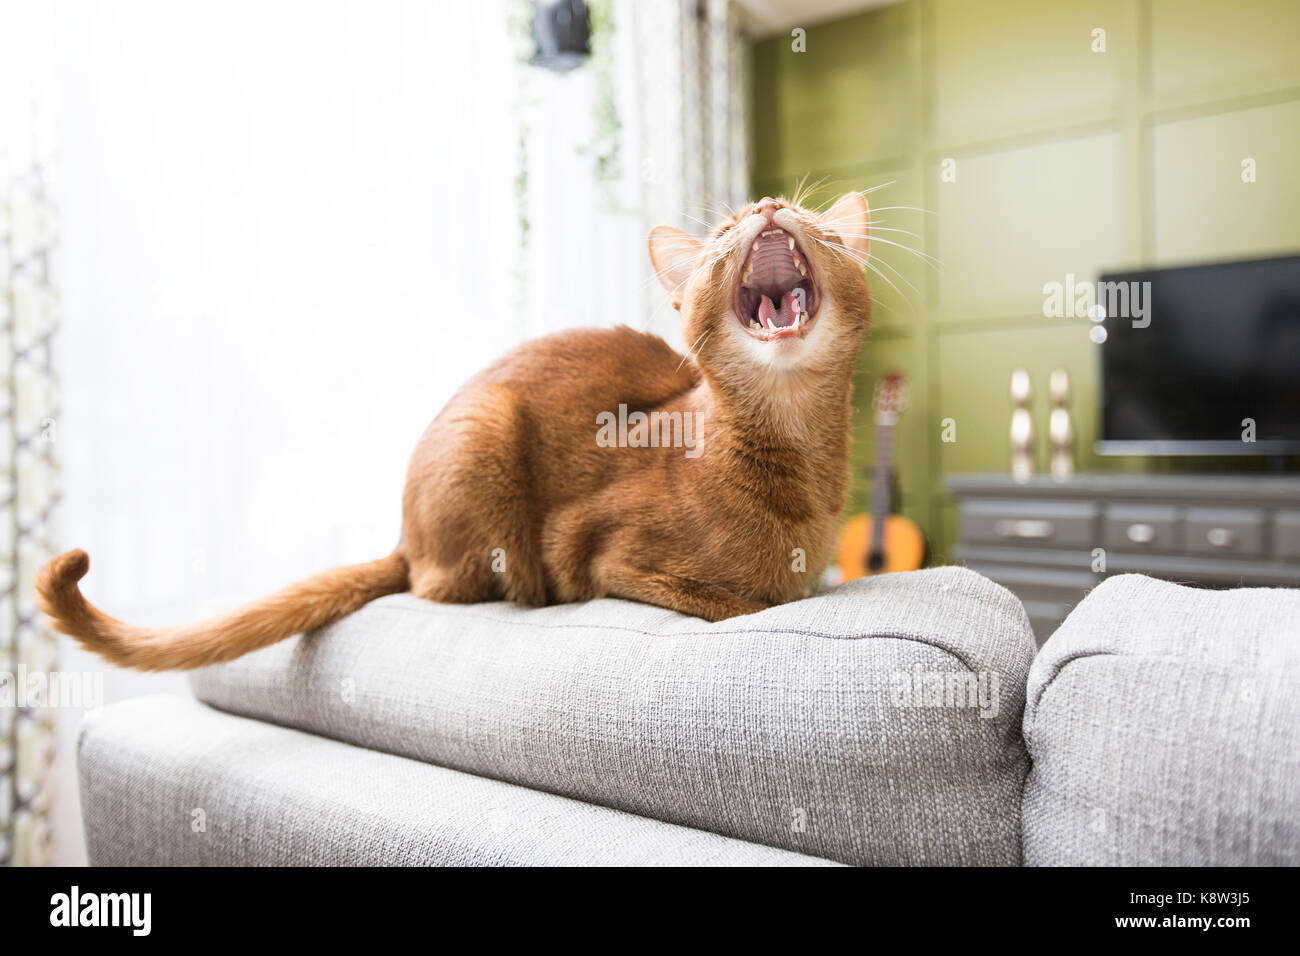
column 300, row 607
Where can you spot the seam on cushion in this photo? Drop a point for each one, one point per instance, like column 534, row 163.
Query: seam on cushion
column 1056, row 672
column 1083, row 655
column 633, row 630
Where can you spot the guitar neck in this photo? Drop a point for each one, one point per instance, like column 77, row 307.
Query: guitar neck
column 882, row 487
column 882, row 491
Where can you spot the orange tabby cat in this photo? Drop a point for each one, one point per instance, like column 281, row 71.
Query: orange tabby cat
column 599, row 462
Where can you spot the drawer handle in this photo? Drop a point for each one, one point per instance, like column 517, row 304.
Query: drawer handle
column 1025, row 528
column 1220, row 537
column 1141, row 533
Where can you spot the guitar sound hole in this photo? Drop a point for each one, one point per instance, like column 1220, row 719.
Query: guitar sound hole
column 876, row 561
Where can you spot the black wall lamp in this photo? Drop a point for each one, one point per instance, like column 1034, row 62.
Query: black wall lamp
column 562, row 29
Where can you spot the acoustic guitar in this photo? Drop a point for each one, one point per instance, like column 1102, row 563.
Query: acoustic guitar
column 882, row 542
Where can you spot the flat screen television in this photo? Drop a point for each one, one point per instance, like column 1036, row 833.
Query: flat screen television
column 1191, row 353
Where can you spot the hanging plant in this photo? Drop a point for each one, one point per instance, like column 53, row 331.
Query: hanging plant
column 604, row 148
column 520, row 25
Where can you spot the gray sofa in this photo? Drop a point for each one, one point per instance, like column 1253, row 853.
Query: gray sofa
column 898, row 720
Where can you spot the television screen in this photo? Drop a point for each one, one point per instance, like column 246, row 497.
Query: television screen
column 1197, row 360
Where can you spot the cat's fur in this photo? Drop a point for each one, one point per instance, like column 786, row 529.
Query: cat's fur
column 509, row 494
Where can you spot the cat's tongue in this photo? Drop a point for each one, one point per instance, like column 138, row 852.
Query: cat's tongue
column 770, row 316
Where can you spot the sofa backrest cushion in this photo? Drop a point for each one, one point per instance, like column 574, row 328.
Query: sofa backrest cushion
column 1164, row 727
column 876, row 723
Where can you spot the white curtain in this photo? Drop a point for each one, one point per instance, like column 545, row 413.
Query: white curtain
column 290, row 234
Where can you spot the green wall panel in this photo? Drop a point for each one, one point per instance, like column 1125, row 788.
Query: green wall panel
column 1002, row 67
column 839, row 103
column 1209, row 49
column 1203, row 209
column 1019, row 218
column 946, row 527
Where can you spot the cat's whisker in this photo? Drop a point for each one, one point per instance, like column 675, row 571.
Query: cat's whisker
column 834, row 247
column 804, row 190
column 821, row 207
column 707, row 225
column 928, row 212
column 693, row 350
column 885, row 278
column 868, row 261
column 929, row 260
column 925, row 257
column 874, row 229
column 717, row 210
column 902, row 278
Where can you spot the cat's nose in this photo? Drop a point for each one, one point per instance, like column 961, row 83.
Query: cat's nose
column 766, row 207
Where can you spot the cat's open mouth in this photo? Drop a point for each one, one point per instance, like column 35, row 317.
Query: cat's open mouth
column 777, row 297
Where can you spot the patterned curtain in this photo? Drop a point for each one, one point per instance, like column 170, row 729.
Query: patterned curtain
column 29, row 316
column 692, row 78
column 681, row 81
column 28, row 470
column 714, row 97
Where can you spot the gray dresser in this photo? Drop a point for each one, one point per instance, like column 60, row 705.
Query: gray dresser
column 1051, row 541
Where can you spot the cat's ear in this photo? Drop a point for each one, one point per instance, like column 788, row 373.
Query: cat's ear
column 850, row 219
column 674, row 255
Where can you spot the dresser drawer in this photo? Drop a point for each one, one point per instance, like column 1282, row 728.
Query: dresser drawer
column 1225, row 531
column 1287, row 530
column 1142, row 528
column 1042, row 524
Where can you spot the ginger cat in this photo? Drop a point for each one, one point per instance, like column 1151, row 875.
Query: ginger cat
column 601, row 463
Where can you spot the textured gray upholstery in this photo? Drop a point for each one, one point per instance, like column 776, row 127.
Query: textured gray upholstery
column 167, row 781
column 1164, row 727
column 792, row 727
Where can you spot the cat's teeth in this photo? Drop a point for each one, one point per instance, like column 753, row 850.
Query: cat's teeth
column 770, row 324
column 802, row 270
column 802, row 318
column 791, row 242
